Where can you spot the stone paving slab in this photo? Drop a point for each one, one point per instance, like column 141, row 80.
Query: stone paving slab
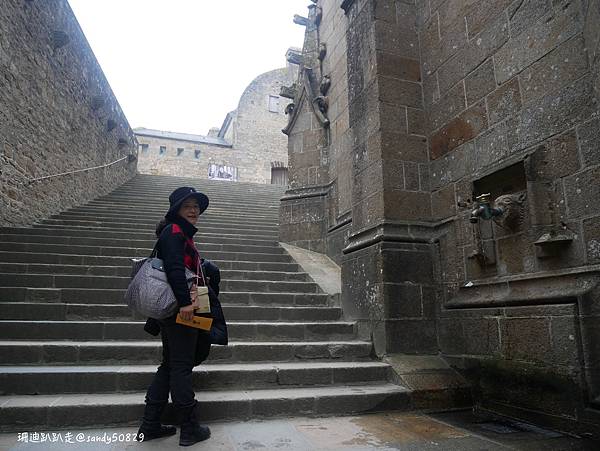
column 385, row 431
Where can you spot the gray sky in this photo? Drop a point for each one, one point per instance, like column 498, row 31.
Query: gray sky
column 181, row 65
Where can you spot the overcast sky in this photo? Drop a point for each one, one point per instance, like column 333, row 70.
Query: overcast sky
column 181, row 65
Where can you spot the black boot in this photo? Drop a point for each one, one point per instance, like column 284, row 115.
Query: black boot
column 151, row 427
column 191, row 431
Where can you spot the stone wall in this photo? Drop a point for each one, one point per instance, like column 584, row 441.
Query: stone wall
column 433, row 104
column 192, row 162
column 57, row 114
column 509, row 93
column 252, row 142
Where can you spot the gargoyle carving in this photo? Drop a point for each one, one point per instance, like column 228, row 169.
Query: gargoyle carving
column 325, row 85
column 321, row 105
column 299, row 20
column 289, row 92
column 513, row 211
column 322, row 51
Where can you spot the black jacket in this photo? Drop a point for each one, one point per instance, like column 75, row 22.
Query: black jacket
column 177, row 250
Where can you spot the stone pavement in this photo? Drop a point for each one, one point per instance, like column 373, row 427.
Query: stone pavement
column 384, row 431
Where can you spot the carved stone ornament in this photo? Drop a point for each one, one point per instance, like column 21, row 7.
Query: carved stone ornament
column 304, row 21
column 294, row 58
column 513, row 210
column 325, row 85
column 289, row 92
column 346, row 4
column 322, row 51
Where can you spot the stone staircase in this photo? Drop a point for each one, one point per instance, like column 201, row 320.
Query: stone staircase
column 73, row 354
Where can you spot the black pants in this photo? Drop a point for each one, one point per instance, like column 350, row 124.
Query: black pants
column 174, row 375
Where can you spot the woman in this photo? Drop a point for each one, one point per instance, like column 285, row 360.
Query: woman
column 180, row 343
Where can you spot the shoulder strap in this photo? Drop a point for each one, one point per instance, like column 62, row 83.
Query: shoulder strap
column 154, row 252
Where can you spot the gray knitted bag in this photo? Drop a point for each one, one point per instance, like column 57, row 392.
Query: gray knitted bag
column 149, row 292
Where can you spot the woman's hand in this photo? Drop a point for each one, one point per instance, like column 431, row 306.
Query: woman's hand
column 187, row 312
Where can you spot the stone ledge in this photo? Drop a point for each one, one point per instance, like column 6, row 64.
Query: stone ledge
column 542, row 288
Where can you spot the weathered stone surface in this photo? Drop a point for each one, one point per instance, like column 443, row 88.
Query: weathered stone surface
column 398, row 146
column 583, row 191
column 473, row 54
column 407, row 205
column 411, row 336
column 526, row 339
column 556, row 112
column 524, row 13
column 389, row 64
column 483, row 13
column 56, row 106
column 402, row 300
column 504, row 101
column 589, row 141
column 450, row 105
column 443, row 203
column 480, row 82
column 400, row 92
column 411, row 176
column 546, row 34
column 460, row 130
column 591, row 231
column 452, row 166
column 556, row 158
column 390, row 38
column 416, row 122
column 558, row 68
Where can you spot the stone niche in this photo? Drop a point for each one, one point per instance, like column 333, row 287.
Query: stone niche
column 500, row 242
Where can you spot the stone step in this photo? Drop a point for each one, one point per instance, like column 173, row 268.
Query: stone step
column 147, row 245
column 83, row 410
column 134, row 330
column 92, row 260
column 125, row 271
column 115, row 296
column 97, row 214
column 146, row 234
column 204, row 244
column 114, row 282
column 132, row 223
column 150, row 229
column 52, row 380
column 71, row 352
column 107, row 251
column 60, row 311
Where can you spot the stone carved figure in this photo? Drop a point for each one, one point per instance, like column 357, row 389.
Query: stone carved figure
column 513, row 210
column 322, row 51
column 325, row 85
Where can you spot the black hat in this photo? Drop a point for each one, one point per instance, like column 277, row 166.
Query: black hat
column 178, row 196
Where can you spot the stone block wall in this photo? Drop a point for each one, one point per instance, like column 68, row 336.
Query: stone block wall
column 57, row 114
column 185, row 164
column 251, row 142
column 448, row 100
column 510, row 97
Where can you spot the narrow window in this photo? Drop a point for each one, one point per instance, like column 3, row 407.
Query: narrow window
column 144, row 148
column 274, row 104
column 179, row 151
column 197, row 154
column 162, row 151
